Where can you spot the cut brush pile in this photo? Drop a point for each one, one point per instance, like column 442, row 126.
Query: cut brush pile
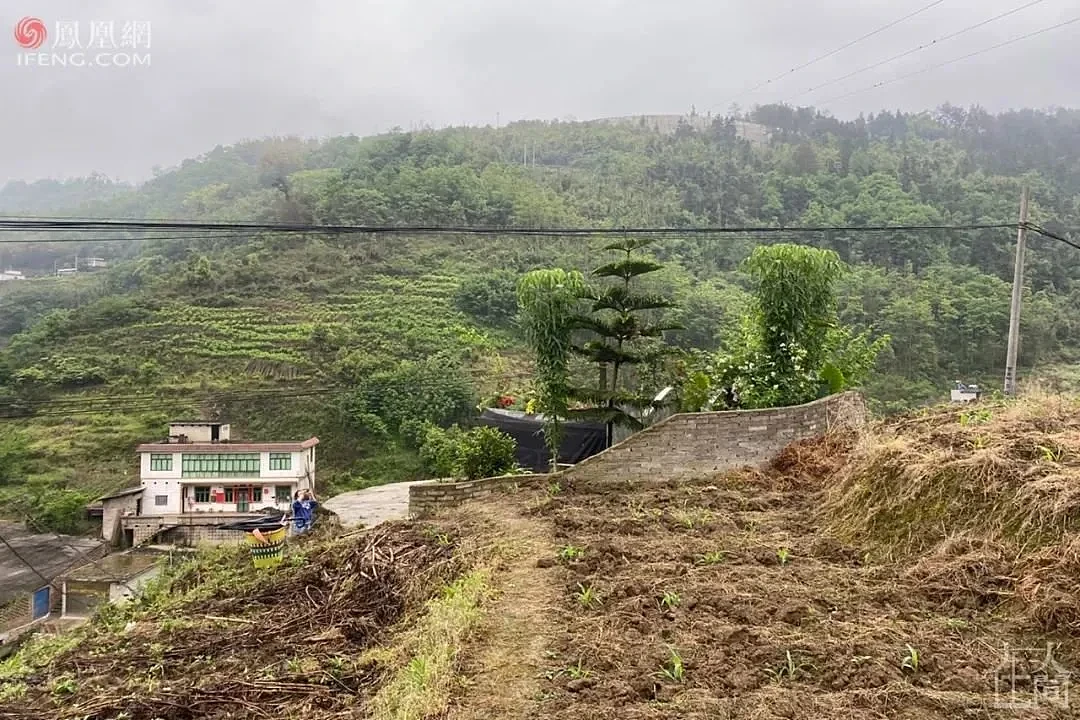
column 217, row 639
column 987, row 496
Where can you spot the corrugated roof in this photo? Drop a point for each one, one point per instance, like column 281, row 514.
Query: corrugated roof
column 228, row 447
column 122, row 493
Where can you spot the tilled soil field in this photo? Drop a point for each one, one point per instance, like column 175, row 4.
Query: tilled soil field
column 721, row 598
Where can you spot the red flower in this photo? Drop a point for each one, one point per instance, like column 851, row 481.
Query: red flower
column 506, row 401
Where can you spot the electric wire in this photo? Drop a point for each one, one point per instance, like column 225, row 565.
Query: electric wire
column 1040, row 230
column 912, row 51
column 938, row 66
column 53, row 225
column 843, row 47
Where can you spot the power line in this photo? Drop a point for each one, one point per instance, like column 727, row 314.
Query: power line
column 53, row 225
column 954, row 60
column 23, row 560
column 914, row 50
column 1053, row 236
column 151, row 404
column 230, row 236
column 843, row 47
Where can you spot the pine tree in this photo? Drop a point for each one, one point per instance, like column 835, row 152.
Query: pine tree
column 618, row 321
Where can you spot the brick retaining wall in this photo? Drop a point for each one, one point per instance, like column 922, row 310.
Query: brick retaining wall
column 681, row 445
column 427, row 497
column 708, row 442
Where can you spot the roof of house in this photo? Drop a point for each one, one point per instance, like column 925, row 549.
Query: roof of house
column 219, row 447
column 27, row 560
column 114, row 568
column 138, row 489
column 198, row 423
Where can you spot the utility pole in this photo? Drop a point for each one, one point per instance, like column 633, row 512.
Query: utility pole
column 1017, row 294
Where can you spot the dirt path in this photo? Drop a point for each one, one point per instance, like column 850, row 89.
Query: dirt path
column 502, row 666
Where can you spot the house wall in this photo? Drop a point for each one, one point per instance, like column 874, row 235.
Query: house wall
column 122, row 592
column 171, row 485
column 269, row 494
column 683, row 445
column 111, row 513
column 199, row 433
column 170, row 490
column 187, row 529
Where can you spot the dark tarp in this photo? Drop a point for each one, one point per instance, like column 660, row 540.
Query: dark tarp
column 580, row 439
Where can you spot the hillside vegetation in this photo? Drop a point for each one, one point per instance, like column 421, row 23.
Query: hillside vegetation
column 781, row 592
column 365, row 338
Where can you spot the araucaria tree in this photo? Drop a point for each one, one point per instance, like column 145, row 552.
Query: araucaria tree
column 618, row 321
column 547, row 301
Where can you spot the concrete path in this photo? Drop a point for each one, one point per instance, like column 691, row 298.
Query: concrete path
column 371, row 506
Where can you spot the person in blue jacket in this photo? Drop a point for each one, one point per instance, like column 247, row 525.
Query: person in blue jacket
column 303, row 509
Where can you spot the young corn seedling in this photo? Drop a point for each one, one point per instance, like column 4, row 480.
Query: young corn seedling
column 670, row 600
column 576, row 672
column 713, row 557
column 673, row 669
column 791, row 669
column 571, row 552
column 1050, row 454
column 554, row 488
column 911, row 662
column 783, row 555
column 587, row 596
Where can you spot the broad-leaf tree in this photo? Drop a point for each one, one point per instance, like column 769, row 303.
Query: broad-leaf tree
column 791, row 347
column 547, row 300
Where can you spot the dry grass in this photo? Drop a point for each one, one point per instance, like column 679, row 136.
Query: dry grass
column 987, row 497
column 230, row 644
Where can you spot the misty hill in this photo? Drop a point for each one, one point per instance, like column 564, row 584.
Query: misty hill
column 363, row 338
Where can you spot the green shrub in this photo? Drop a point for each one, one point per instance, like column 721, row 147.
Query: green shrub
column 490, row 298
column 487, row 452
column 441, row 450
column 474, row 454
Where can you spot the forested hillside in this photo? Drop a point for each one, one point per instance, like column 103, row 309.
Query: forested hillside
column 361, row 339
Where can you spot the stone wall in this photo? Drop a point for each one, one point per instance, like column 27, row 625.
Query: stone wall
column 682, row 445
column 709, row 442
column 427, row 497
column 187, row 530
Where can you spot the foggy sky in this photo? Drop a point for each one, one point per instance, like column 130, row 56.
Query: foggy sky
column 226, row 71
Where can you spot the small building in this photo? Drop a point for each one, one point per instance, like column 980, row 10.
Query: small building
column 965, row 393
column 8, row 275
column 114, row 578
column 198, row 478
column 30, row 567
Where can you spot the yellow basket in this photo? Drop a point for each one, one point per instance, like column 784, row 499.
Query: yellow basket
column 269, row 553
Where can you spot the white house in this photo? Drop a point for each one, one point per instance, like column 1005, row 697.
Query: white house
column 6, row 275
column 199, row 470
